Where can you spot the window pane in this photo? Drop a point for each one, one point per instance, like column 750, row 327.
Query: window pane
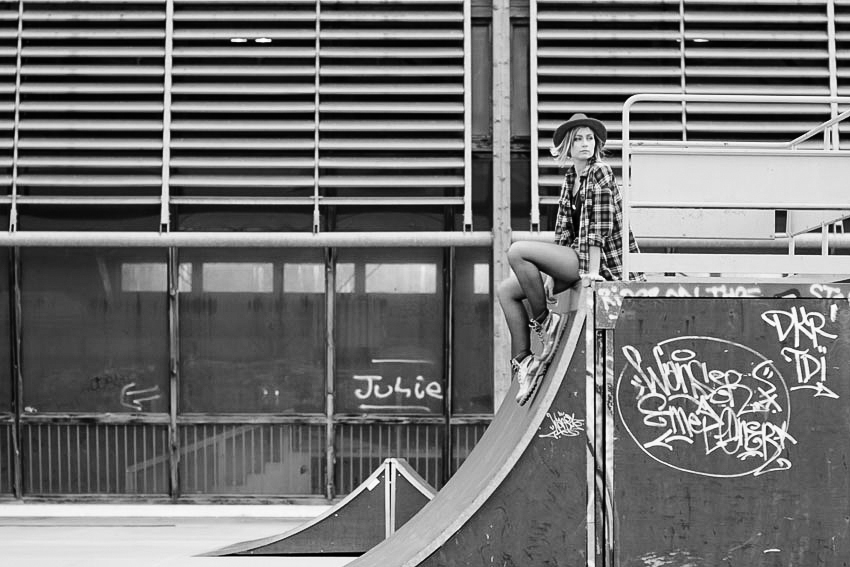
column 238, row 277
column 390, row 333
column 304, row 278
column 473, row 333
column 88, row 345
column 255, row 351
column 153, row 276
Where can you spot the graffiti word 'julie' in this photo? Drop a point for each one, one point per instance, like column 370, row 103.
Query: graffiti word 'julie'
column 375, row 388
column 803, row 326
column 563, row 424
column 682, row 400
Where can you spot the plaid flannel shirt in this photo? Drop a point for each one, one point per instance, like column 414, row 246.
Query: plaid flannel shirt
column 601, row 220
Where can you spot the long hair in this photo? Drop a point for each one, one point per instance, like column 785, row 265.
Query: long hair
column 562, row 153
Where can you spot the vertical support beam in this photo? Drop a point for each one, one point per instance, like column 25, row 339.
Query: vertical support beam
column 165, row 195
column 591, row 413
column 608, row 447
column 330, row 368
column 13, row 211
column 682, row 65
column 501, row 189
column 17, row 375
column 316, row 134
column 173, row 275
column 833, row 72
column 448, row 366
column 467, row 116
column 534, row 118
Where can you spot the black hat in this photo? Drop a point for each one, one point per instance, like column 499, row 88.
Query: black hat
column 577, row 120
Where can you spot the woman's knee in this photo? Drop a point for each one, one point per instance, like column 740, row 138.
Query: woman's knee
column 518, row 251
column 508, row 289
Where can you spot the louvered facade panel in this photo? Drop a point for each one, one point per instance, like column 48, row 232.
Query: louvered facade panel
column 592, row 56
column 8, row 72
column 391, row 111
column 773, row 47
column 91, row 102
column 242, row 114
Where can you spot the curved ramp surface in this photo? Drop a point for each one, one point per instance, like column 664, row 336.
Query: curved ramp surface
column 520, row 498
column 373, row 511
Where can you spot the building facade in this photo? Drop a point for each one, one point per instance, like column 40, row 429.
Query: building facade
column 253, row 244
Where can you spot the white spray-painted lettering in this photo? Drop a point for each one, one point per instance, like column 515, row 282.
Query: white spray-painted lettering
column 684, row 402
column 562, row 424
column 809, row 345
column 133, row 398
column 375, row 388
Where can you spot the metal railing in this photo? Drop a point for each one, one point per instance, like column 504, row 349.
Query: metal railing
column 692, row 194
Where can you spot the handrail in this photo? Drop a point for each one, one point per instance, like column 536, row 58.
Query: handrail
column 737, row 99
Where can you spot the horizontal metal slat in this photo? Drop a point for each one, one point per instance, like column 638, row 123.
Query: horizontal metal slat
column 87, row 200
column 93, row 70
column 394, row 200
column 270, row 33
column 612, row 16
column 242, row 89
column 375, row 181
column 397, row 144
column 32, row 180
column 277, row 14
column 756, row 35
column 391, row 71
column 243, row 107
column 574, row 71
column 272, row 144
column 240, row 181
column 406, row 35
column 86, row 51
column 92, row 33
column 30, row 143
column 394, row 125
column 607, row 53
column 91, row 88
column 750, row 54
column 243, row 70
column 391, row 163
column 117, row 162
column 243, row 51
column 100, row 107
column 590, row 89
column 599, row 35
column 755, row 72
column 242, row 163
column 733, row 17
column 391, row 89
column 391, row 52
column 90, row 125
column 393, row 108
column 242, row 125
column 243, row 201
column 374, row 16
column 87, row 16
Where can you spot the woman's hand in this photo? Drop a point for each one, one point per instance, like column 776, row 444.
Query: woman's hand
column 588, row 279
column 549, row 289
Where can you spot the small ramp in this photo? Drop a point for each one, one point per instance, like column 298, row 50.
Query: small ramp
column 520, row 498
column 372, row 512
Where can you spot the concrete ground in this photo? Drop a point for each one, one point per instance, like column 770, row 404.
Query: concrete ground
column 105, row 535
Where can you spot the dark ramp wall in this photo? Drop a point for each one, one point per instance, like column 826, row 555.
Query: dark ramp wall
column 732, row 432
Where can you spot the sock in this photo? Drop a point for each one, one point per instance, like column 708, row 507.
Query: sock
column 542, row 317
column 521, row 356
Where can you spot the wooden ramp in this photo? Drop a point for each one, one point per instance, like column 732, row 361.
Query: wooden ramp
column 373, row 511
column 520, row 498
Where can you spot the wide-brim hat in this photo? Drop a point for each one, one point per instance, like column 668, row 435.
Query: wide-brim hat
column 577, row 120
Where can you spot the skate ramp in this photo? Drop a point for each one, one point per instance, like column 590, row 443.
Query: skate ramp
column 373, row 511
column 520, row 498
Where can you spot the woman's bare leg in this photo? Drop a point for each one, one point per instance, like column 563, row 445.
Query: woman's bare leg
column 510, row 298
column 529, row 258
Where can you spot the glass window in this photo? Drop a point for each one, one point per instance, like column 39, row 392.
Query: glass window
column 389, row 333
column 303, row 277
column 238, row 277
column 153, row 276
column 88, row 344
column 253, row 349
column 473, row 333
